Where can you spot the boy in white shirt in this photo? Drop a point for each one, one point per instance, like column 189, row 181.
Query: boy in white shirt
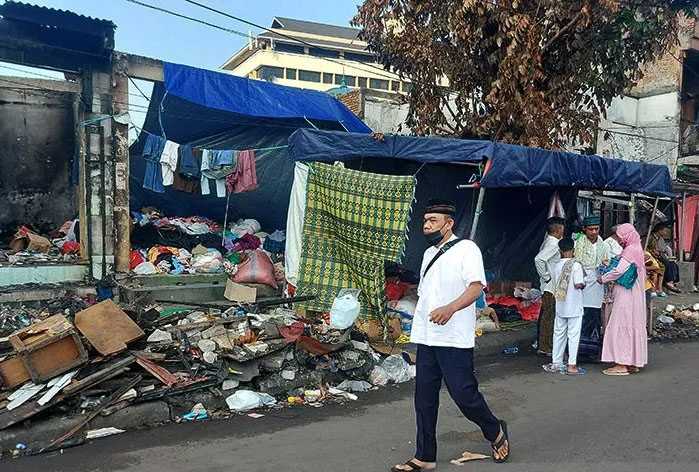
column 569, row 282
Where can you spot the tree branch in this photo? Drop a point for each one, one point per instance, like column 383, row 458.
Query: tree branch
column 560, row 33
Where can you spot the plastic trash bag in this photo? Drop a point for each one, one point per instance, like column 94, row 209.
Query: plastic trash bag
column 208, row 263
column 354, row 386
column 244, row 400
column 345, row 309
column 397, row 369
column 378, row 376
column 145, row 268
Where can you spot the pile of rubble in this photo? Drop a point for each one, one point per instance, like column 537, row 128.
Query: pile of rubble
column 105, row 358
column 677, row 323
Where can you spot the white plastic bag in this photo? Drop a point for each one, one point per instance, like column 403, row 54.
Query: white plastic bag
column 345, row 309
column 378, row 376
column 244, row 400
column 397, row 369
column 208, row 263
column 145, row 268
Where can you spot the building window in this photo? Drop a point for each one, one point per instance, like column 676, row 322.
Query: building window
column 395, row 86
column 359, row 57
column 327, row 78
column 292, row 48
column 349, row 80
column 270, row 73
column 291, row 74
column 406, row 87
column 309, row 76
column 362, row 82
column 378, row 84
column 320, row 52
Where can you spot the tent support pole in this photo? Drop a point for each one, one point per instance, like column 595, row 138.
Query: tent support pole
column 632, row 210
column 477, row 213
column 680, row 251
column 652, row 220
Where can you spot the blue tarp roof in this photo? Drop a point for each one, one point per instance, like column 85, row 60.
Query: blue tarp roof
column 511, row 166
column 251, row 99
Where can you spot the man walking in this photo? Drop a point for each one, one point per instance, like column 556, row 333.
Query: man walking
column 452, row 278
column 544, row 261
column 592, row 252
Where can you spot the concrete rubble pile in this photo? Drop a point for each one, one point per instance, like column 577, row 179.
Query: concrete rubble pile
column 204, row 361
column 676, row 323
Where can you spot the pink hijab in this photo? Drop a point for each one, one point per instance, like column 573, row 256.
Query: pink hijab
column 633, row 250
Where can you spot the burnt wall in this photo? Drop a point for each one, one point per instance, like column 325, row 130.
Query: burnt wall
column 37, row 144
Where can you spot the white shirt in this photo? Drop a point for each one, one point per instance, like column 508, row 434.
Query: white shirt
column 594, row 292
column 548, row 256
column 168, row 162
column 446, row 281
column 572, row 306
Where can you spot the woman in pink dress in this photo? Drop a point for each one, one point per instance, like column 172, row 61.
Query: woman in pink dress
column 625, row 338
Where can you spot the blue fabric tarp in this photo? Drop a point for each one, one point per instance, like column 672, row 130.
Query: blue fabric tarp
column 250, row 99
column 510, row 165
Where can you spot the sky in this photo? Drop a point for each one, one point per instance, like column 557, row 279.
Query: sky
column 155, row 34
column 158, row 35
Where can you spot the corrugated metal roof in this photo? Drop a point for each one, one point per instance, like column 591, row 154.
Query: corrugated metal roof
column 315, row 42
column 65, row 19
column 311, row 27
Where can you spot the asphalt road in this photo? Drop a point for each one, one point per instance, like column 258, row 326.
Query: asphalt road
column 645, row 422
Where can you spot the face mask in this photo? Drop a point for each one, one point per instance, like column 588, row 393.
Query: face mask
column 435, row 237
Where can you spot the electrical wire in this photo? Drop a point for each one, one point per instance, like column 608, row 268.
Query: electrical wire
column 163, row 10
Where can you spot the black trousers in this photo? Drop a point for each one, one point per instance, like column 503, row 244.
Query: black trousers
column 455, row 366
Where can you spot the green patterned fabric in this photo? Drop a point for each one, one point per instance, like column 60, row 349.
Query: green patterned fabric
column 354, row 222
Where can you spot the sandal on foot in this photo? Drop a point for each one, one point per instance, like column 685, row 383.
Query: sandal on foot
column 552, row 368
column 616, row 373
column 500, row 442
column 580, row 371
column 413, row 467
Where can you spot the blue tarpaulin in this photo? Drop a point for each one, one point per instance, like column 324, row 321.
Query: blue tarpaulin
column 250, row 99
column 510, row 165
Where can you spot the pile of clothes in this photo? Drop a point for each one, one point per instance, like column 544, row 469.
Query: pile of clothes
column 196, row 245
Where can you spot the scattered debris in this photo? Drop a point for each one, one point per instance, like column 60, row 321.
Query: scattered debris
column 103, row 433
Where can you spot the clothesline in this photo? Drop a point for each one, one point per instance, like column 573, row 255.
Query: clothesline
column 270, row 148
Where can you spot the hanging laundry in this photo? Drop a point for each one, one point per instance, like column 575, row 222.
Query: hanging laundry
column 189, row 164
column 168, row 162
column 209, row 162
column 244, row 179
column 152, row 151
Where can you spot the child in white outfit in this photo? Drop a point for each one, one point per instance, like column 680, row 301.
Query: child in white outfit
column 568, row 281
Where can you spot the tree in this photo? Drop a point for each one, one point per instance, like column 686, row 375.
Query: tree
column 532, row 72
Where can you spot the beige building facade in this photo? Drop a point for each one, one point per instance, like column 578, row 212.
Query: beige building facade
column 314, row 56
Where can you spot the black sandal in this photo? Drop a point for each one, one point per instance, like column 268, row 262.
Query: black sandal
column 413, row 467
column 504, row 438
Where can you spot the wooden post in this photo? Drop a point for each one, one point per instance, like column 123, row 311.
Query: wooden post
column 650, row 224
column 477, row 213
column 122, row 218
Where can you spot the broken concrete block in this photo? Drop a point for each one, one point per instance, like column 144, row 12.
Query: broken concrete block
column 273, row 362
column 288, row 374
column 206, row 345
column 230, row 384
column 214, row 331
column 275, row 384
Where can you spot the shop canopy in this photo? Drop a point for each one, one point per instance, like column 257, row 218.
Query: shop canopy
column 510, row 165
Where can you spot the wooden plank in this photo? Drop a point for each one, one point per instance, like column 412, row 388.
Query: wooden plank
column 107, row 327
column 13, row 373
column 141, row 67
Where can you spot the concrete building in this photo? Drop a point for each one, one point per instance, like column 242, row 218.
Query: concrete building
column 313, row 56
column 656, row 121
